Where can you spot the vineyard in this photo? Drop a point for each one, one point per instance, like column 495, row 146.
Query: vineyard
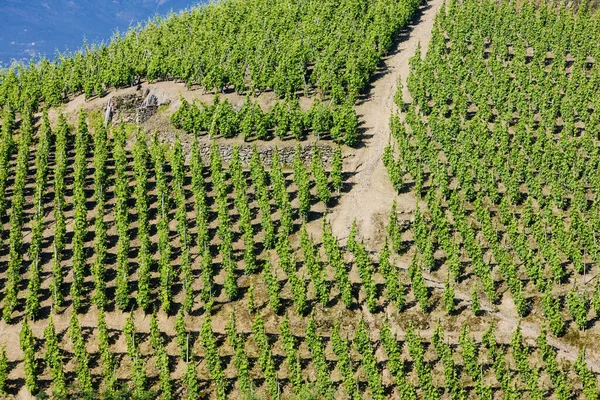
column 506, row 162
column 247, row 46
column 285, row 119
column 133, row 266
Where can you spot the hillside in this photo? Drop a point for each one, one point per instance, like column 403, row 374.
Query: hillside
column 348, row 199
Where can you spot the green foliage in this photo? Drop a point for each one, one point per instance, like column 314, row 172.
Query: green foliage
column 470, row 356
column 390, row 272
column 506, row 202
column 81, row 219
column 212, row 357
column 60, row 156
column 398, row 100
column 341, row 348
column 317, row 351
column 164, row 245
column 138, row 366
column 552, row 311
column 336, row 175
column 240, row 359
column 499, row 361
column 475, row 305
column 366, row 273
column 395, row 363
column 469, row 353
column 27, row 343
column 178, row 168
column 578, row 305
column 449, row 301
column 506, row 186
column 16, row 218
column 107, row 356
column 100, row 228
column 302, row 181
column 140, row 192
column 32, row 304
column 417, row 353
column 445, row 353
column 4, row 370
column 320, row 177
column 272, row 285
column 589, row 380
column 6, row 150
column 291, row 356
column 595, row 302
column 191, row 381
column 265, row 358
column 281, row 195
column 394, row 230
column 313, row 264
column 54, row 361
column 417, row 281
column 82, row 357
column 297, row 284
column 199, row 193
column 337, row 263
column 283, row 120
column 207, row 276
column 393, row 167
column 121, row 216
column 559, row 379
column 368, row 360
column 162, row 359
column 259, row 181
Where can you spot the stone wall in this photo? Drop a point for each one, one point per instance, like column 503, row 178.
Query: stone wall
column 265, row 150
column 124, row 108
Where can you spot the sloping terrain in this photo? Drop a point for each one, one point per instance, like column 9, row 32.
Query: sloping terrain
column 198, row 264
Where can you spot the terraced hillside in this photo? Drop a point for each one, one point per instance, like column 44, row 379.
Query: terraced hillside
column 337, row 200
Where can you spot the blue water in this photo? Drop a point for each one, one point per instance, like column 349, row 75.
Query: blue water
column 35, row 28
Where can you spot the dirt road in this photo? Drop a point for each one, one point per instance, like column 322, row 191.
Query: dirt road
column 370, row 198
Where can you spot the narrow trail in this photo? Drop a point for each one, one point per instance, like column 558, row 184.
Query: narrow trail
column 371, row 195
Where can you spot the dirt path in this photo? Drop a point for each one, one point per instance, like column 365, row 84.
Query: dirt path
column 506, row 318
column 370, row 198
